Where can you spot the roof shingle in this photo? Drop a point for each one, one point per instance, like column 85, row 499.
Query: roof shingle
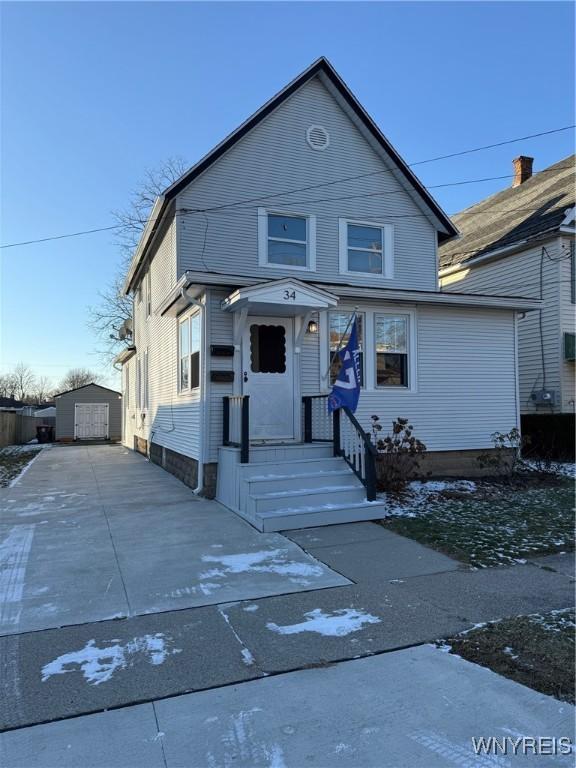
column 518, row 213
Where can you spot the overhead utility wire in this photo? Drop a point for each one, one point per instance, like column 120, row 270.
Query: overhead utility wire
column 324, row 184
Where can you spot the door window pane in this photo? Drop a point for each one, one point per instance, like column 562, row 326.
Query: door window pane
column 339, row 333
column 267, row 349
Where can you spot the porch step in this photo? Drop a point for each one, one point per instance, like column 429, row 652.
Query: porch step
column 288, row 519
column 307, row 498
column 274, row 469
column 270, row 483
column 293, row 486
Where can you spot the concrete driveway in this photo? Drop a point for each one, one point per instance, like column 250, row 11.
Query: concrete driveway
column 95, row 533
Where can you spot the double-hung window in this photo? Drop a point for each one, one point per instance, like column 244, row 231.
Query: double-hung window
column 189, row 337
column 392, row 354
column 286, row 240
column 148, row 293
column 339, row 329
column 366, row 248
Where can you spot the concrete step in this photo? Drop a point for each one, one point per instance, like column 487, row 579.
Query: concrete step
column 292, row 519
column 306, row 499
column 260, row 484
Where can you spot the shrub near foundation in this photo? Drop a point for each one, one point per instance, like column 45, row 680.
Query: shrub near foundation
column 399, row 455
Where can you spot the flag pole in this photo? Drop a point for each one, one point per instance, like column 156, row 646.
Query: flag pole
column 352, row 318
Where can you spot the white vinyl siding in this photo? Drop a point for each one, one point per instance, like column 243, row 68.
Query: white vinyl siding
column 274, row 157
column 519, row 275
column 172, row 420
column 463, row 386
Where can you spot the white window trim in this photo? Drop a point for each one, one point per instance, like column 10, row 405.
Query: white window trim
column 185, row 318
column 369, row 312
column 263, row 214
column 145, row 382
column 387, row 248
column 148, row 292
column 411, row 352
column 362, row 312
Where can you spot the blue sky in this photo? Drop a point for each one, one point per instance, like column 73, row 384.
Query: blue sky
column 95, row 93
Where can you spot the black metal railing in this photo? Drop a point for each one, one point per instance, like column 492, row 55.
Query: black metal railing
column 348, row 438
column 317, row 425
column 236, row 424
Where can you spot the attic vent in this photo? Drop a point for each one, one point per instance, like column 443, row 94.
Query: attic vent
column 318, row 137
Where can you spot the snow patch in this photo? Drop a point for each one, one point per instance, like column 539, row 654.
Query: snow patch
column 266, row 561
column 247, row 657
column 99, row 664
column 336, row 624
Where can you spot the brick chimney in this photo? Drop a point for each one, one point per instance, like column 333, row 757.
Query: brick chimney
column 522, row 169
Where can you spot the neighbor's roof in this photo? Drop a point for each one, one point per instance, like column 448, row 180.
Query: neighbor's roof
column 324, row 69
column 91, row 384
column 11, row 402
column 514, row 215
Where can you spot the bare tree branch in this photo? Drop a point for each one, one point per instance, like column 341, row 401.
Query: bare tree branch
column 77, row 377
column 114, row 308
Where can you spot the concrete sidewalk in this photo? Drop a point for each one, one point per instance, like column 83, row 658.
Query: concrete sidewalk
column 418, row 708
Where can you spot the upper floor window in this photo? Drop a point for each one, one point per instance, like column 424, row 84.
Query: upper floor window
column 189, row 335
column 391, row 337
column 366, row 248
column 286, row 240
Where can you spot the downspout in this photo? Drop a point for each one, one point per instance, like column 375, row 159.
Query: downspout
column 185, row 295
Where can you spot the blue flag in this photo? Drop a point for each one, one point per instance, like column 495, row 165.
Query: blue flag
column 346, row 389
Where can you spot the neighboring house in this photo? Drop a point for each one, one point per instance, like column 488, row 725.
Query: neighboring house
column 90, row 412
column 11, row 404
column 244, row 281
column 521, row 242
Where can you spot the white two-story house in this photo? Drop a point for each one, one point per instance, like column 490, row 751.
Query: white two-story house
column 520, row 241
column 244, row 282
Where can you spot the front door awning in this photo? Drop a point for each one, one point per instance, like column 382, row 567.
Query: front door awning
column 284, row 298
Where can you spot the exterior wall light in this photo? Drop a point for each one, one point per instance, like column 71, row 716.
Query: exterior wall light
column 312, row 326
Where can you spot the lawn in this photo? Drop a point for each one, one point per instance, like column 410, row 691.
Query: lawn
column 488, row 523
column 13, row 459
column 535, row 650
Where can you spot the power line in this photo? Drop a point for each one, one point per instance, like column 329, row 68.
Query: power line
column 323, row 184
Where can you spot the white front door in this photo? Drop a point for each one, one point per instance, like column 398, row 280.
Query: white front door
column 268, row 376
column 91, row 421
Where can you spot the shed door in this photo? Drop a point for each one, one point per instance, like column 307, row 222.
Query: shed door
column 91, row 421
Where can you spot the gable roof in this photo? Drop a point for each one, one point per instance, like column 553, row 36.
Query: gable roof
column 91, row 384
column 516, row 214
column 321, row 67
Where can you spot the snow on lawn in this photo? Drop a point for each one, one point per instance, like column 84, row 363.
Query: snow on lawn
column 15, row 460
column 486, row 523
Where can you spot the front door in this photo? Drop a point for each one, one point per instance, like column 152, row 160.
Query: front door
column 268, row 377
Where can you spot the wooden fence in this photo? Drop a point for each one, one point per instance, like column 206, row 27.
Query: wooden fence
column 17, row 429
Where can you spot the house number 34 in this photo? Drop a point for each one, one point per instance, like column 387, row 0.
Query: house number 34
column 289, row 295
